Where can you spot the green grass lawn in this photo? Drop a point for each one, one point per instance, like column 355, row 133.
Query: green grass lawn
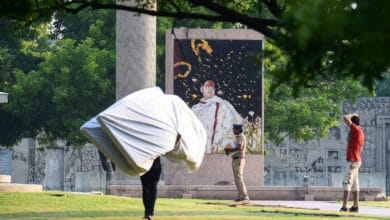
column 60, row 205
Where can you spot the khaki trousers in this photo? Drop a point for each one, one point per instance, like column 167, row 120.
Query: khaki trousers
column 238, row 170
column 351, row 178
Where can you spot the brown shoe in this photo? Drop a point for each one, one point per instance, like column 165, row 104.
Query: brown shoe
column 354, row 209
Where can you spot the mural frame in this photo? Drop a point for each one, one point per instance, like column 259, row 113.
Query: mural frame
column 216, row 35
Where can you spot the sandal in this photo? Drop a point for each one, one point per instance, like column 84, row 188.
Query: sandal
column 343, row 209
column 354, row 209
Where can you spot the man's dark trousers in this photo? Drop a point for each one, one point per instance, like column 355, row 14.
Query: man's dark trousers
column 149, row 187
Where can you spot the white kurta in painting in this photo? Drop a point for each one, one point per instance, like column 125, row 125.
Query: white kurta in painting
column 217, row 116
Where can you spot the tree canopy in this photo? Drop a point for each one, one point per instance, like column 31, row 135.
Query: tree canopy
column 308, row 115
column 315, row 46
column 345, row 37
column 56, row 76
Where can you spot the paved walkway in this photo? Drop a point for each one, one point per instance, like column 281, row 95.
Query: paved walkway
column 322, row 205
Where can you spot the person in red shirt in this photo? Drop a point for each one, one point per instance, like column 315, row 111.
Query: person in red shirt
column 354, row 149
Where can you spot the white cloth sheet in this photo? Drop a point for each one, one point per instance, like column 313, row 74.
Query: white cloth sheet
column 143, row 126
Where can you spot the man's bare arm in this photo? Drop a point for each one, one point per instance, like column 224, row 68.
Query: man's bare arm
column 347, row 118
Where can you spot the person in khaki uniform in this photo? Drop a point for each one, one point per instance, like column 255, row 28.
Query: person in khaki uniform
column 238, row 162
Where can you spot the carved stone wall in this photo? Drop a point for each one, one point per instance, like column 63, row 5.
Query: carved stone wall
column 323, row 160
column 54, row 168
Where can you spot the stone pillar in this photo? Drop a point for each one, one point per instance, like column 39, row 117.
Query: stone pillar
column 135, row 52
column 54, row 179
column 135, row 61
column 381, row 147
column 20, row 169
column 5, row 161
column 31, row 158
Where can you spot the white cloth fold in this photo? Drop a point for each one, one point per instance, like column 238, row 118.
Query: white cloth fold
column 143, row 126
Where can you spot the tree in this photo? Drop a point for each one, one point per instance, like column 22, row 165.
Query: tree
column 79, row 81
column 382, row 88
column 81, row 50
column 317, row 37
column 312, row 112
column 73, row 79
column 20, row 51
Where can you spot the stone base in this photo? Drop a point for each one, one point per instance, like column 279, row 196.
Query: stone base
column 255, row 192
column 5, row 179
column 309, row 197
column 187, row 196
column 216, row 169
column 14, row 187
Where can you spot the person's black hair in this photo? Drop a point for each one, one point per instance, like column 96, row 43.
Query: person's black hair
column 238, row 127
column 355, row 120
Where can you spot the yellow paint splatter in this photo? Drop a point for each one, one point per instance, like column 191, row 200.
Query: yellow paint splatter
column 186, row 73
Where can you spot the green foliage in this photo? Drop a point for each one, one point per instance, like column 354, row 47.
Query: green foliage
column 56, row 85
column 20, row 51
column 23, row 9
column 333, row 36
column 97, row 25
column 318, row 53
column 303, row 115
column 317, row 37
column 11, row 128
column 309, row 114
column 383, row 87
column 80, row 79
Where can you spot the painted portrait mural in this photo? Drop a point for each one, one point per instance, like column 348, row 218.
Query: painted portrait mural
column 221, row 81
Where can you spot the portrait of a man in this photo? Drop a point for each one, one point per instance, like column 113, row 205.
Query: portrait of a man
column 221, row 81
column 217, row 116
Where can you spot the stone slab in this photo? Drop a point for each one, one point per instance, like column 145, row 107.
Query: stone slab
column 309, row 197
column 5, row 161
column 255, row 192
column 187, row 196
column 90, row 181
column 216, row 169
column 369, row 198
column 5, row 178
column 14, row 187
column 54, row 179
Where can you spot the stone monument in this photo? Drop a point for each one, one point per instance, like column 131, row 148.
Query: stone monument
column 227, row 57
